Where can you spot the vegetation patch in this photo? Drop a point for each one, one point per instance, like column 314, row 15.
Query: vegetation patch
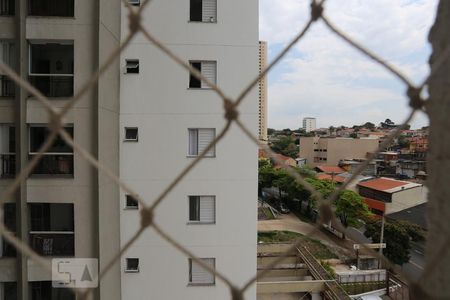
column 319, row 250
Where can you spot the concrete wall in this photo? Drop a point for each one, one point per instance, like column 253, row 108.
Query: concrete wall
column 405, row 199
column 159, row 103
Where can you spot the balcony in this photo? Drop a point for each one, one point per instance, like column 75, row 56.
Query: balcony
column 51, row 68
column 51, row 8
column 7, row 87
column 53, row 243
column 53, row 86
column 7, row 8
column 54, row 164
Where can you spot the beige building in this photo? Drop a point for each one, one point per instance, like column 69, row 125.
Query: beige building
column 262, row 88
column 329, row 151
column 57, row 47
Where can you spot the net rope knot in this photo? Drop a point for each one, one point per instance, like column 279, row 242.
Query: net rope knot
column 236, row 294
column 316, row 10
column 415, row 101
column 146, row 217
column 231, row 112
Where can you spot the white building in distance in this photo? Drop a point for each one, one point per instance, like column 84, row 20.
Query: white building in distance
column 309, row 124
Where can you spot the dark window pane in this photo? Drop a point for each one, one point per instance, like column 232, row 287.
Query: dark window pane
column 131, row 133
column 194, row 82
column 38, row 136
column 43, row 290
column 51, row 217
column 196, row 10
column 131, row 202
column 194, row 208
column 133, row 264
column 10, row 291
column 59, row 8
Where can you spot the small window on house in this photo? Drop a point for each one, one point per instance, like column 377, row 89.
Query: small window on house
column 134, row 2
column 198, row 275
column 208, row 69
column 202, row 209
column 132, row 265
column 199, row 139
column 131, row 134
column 131, row 202
column 203, row 11
column 132, row 66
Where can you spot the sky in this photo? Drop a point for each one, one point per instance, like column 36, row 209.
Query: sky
column 324, row 77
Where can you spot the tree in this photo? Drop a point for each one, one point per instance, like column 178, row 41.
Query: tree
column 353, row 135
column 270, row 131
column 403, row 142
column 396, row 238
column 286, row 146
column 350, row 208
column 369, row 125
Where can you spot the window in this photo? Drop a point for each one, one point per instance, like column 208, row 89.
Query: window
column 199, row 275
column 208, row 69
column 43, row 290
column 132, row 66
column 7, row 151
column 7, row 56
column 132, row 265
column 202, row 209
column 51, row 68
column 134, row 2
column 7, row 7
column 203, row 11
column 131, row 202
column 9, row 219
column 131, row 134
column 199, row 139
column 52, row 228
column 51, row 8
column 58, row 160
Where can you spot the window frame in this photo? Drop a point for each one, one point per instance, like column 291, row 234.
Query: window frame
column 201, row 70
column 127, row 269
column 199, row 221
column 189, row 154
column 125, row 139
column 190, row 20
column 132, row 60
column 131, row 207
column 191, row 283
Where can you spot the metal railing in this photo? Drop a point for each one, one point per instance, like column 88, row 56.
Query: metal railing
column 7, row 7
column 53, row 85
column 51, row 8
column 54, row 164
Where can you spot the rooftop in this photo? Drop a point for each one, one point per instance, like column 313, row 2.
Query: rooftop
column 388, row 185
column 330, row 169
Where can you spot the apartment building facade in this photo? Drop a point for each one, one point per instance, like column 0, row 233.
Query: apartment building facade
column 65, row 208
column 167, row 118
column 146, row 119
column 330, row 151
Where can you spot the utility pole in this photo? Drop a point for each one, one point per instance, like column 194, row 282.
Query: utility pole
column 381, row 239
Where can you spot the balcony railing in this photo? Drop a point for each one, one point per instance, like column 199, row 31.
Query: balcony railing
column 53, row 85
column 7, row 87
column 7, row 8
column 58, row 243
column 8, row 162
column 54, row 164
column 51, row 8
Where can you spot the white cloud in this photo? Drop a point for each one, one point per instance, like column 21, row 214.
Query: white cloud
column 326, row 78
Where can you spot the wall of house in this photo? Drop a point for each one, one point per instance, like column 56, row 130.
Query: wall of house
column 159, row 103
column 407, row 198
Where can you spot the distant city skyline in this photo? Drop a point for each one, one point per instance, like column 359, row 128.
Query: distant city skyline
column 325, row 78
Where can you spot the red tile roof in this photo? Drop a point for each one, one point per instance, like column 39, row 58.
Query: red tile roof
column 331, row 169
column 336, row 178
column 382, row 184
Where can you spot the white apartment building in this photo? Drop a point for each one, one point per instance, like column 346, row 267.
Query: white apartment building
column 146, row 119
column 167, row 118
column 309, row 124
